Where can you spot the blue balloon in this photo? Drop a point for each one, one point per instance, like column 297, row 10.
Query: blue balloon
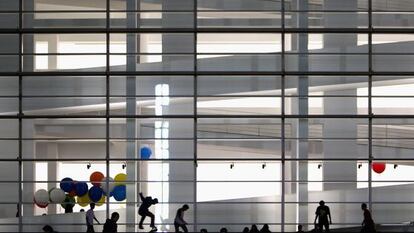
column 145, row 152
column 81, row 188
column 66, row 184
column 119, row 192
column 95, row 193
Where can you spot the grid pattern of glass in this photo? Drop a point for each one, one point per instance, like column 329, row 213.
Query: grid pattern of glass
column 253, row 110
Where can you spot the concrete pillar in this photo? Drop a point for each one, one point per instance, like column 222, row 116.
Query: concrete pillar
column 52, row 47
column 337, row 149
column 301, row 107
column 340, row 148
column 131, row 109
column 340, row 41
column 53, row 43
column 176, row 43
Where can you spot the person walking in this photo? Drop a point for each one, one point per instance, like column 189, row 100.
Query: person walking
column 368, row 224
column 179, row 219
column 110, row 225
column 90, row 216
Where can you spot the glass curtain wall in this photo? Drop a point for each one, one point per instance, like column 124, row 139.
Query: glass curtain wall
column 253, row 110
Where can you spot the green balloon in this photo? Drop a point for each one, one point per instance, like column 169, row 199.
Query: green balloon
column 69, row 201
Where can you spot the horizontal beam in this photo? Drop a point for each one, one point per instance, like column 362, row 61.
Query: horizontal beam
column 206, row 73
column 207, row 30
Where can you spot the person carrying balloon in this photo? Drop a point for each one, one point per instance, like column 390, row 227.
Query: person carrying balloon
column 90, row 216
column 144, row 210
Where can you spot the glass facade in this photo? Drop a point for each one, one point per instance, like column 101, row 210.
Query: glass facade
column 253, row 110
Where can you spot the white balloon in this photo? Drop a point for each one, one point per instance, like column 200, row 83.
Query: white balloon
column 110, row 187
column 41, row 197
column 57, row 195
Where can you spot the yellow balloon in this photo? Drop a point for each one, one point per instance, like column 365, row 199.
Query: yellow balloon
column 83, row 200
column 120, row 179
column 101, row 201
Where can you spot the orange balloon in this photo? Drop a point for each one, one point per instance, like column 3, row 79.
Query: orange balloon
column 96, row 178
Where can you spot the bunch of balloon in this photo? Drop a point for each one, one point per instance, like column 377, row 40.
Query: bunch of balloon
column 72, row 192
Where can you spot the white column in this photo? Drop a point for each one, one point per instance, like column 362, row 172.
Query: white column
column 338, row 170
column 340, row 149
column 173, row 43
column 302, row 108
column 131, row 109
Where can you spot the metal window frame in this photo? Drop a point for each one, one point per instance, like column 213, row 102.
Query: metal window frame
column 195, row 30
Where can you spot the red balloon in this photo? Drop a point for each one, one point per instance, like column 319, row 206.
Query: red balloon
column 378, row 167
column 72, row 193
column 96, row 178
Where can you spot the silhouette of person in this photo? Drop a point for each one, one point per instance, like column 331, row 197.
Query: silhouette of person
column 300, row 228
column 144, row 210
column 90, row 216
column 368, row 224
column 265, row 229
column 245, row 230
column 223, row 230
column 204, row 230
column 18, row 211
column 110, row 225
column 322, row 213
column 254, row 229
column 179, row 219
